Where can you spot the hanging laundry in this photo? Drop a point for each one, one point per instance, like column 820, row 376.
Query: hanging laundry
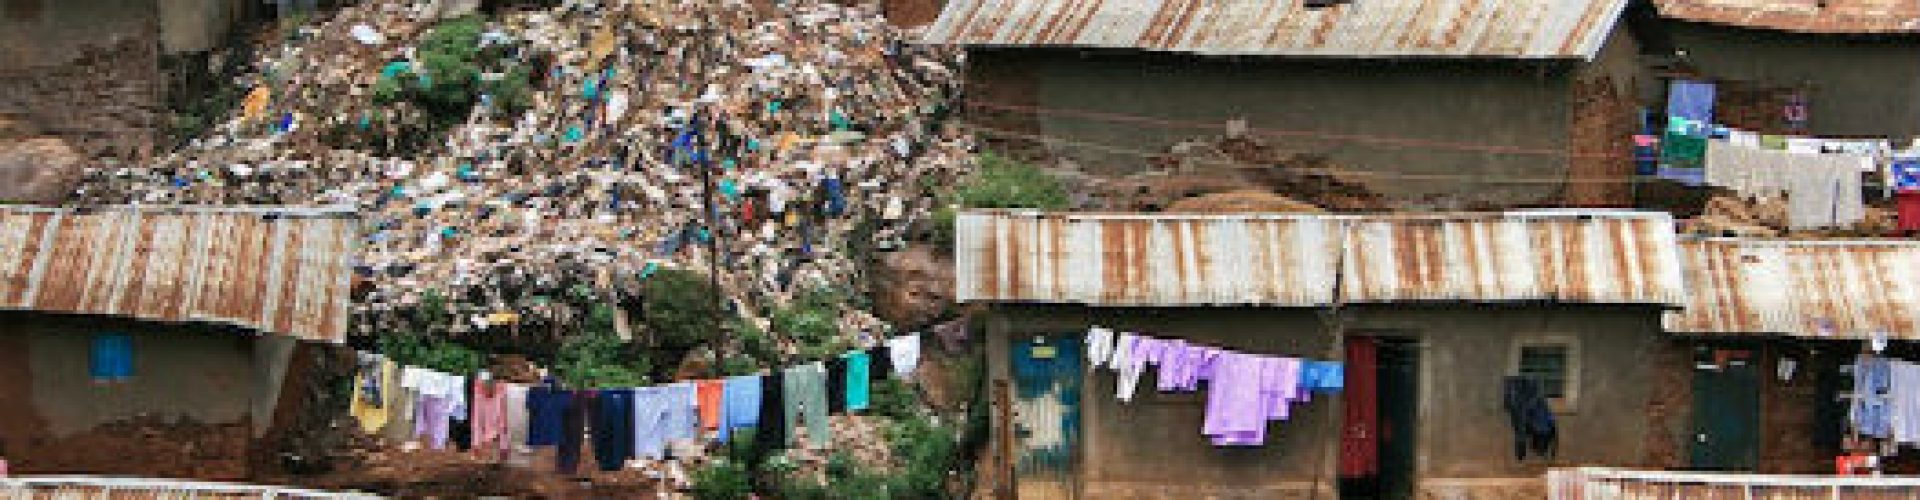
column 1870, row 413
column 1530, row 418
column 1235, row 413
column 1822, row 190
column 368, row 405
column 613, row 428
column 804, row 393
column 1122, row 350
column 1904, row 409
column 489, row 418
column 432, row 415
column 1181, row 365
column 573, row 431
column 546, row 409
column 771, row 433
column 1646, row 154
column 905, row 353
column 712, row 403
column 518, row 422
column 1280, row 386
column 651, row 412
column 1692, row 100
column 1099, row 346
column 742, row 406
column 859, row 381
column 1748, row 171
column 836, row 384
column 1683, row 151
column 1904, row 169
column 1683, row 144
column 1140, row 350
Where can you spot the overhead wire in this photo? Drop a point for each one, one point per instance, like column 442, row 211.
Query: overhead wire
column 1331, row 172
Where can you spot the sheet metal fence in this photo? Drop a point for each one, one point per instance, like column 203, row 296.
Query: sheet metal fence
column 118, row 488
column 1593, row 483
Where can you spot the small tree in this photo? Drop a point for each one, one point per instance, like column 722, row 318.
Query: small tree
column 680, row 313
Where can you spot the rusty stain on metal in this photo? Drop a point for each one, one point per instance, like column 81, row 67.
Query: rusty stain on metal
column 1523, row 29
column 1301, row 260
column 1839, row 289
column 1569, row 257
column 1827, row 17
column 283, row 271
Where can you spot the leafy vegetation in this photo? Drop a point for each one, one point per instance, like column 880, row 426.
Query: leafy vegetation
column 419, row 350
column 812, row 322
column 926, row 453
column 723, row 479
column 999, row 182
column 598, row 358
column 446, row 81
column 1004, row 183
column 680, row 313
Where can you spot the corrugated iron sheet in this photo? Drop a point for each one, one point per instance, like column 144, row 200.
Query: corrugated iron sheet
column 1118, row 260
column 1805, row 16
column 1597, row 257
column 1524, row 29
column 1840, row 289
column 277, row 271
column 1298, row 260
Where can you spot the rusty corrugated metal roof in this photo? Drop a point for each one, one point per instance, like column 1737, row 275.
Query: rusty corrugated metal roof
column 1596, row 257
column 1120, row 260
column 282, row 271
column 1841, row 289
column 1523, row 29
column 1804, row 16
column 1317, row 260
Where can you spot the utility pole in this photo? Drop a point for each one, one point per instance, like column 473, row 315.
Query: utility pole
column 712, row 217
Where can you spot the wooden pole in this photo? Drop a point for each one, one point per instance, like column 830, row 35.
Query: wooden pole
column 1003, row 407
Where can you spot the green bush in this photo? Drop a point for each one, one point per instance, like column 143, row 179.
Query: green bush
column 418, row 350
column 446, row 83
column 812, row 321
column 754, row 342
column 596, row 357
column 680, row 313
column 889, row 397
column 998, row 183
column 1004, row 183
column 926, row 452
column 722, row 480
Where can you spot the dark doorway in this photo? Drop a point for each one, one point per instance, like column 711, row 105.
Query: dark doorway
column 1379, row 438
column 1726, row 408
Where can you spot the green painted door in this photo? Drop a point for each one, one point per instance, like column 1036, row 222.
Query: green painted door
column 1046, row 373
column 1726, row 409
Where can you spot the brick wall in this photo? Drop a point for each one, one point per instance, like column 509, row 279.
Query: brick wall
column 1753, row 107
column 1670, row 408
column 1600, row 174
column 105, row 102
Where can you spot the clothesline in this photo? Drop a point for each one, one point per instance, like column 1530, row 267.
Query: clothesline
column 1244, row 391
column 504, row 419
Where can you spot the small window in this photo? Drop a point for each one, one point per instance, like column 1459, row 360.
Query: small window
column 1553, row 362
column 111, row 359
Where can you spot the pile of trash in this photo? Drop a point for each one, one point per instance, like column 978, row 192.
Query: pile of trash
column 1749, row 217
column 779, row 133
